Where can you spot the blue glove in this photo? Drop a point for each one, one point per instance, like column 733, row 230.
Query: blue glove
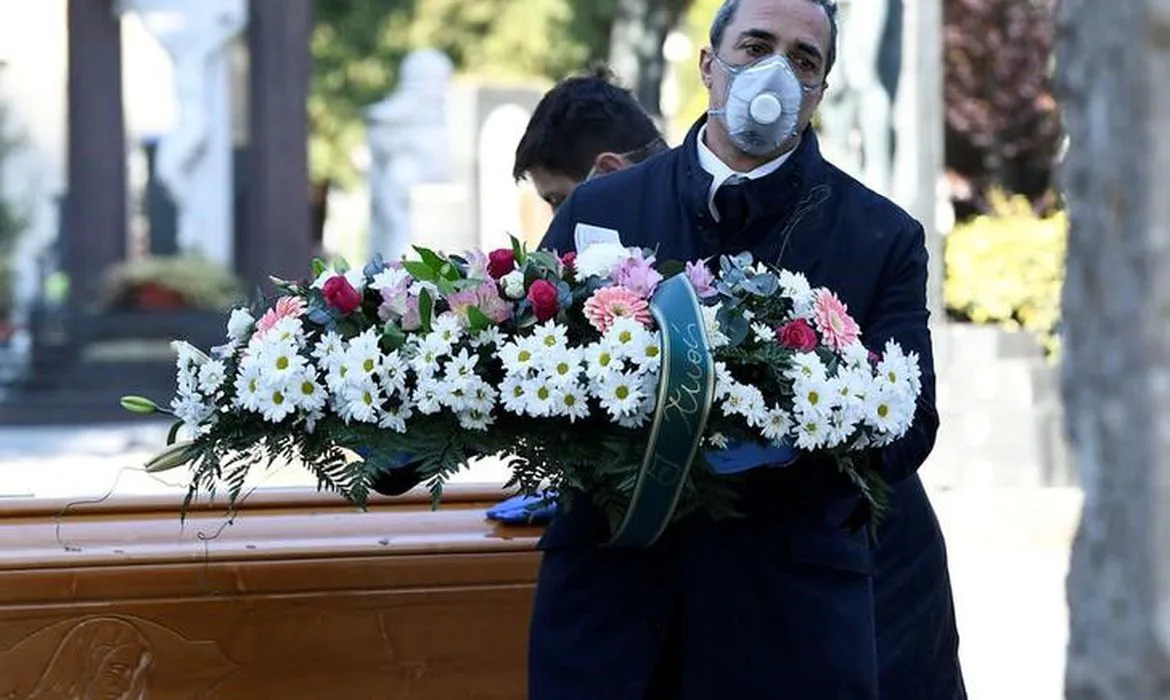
column 523, row 510
column 742, row 456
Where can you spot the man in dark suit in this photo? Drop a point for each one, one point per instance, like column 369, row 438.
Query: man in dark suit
column 778, row 604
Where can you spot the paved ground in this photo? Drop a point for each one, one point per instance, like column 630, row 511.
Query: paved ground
column 1009, row 549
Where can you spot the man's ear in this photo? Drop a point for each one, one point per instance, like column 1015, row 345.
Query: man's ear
column 705, row 56
column 608, row 162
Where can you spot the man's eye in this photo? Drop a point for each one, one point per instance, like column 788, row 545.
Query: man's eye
column 757, row 50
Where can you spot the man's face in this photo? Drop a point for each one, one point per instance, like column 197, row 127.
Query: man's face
column 797, row 29
column 555, row 187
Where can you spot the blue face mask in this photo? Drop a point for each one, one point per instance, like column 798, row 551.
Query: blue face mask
column 761, row 108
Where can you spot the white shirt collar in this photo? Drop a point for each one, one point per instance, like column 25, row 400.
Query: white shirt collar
column 720, row 171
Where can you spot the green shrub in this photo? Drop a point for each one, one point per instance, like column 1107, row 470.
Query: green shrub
column 193, row 282
column 1007, row 268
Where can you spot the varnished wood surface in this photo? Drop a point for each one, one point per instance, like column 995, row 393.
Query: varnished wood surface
column 301, row 596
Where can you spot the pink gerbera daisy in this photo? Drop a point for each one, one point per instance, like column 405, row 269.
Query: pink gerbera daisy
column 286, row 307
column 609, row 303
column 837, row 327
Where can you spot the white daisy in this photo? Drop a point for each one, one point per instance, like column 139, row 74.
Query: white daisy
column 308, row 395
column 514, row 394
column 763, row 333
column 648, row 354
column 211, row 377
column 428, row 396
column 563, row 366
column 249, row 384
column 811, row 432
column 795, row 286
column 389, row 278
column 718, row 441
column 395, row 417
column 520, row 355
column 475, row 419
column 490, row 336
column 362, row 401
column 599, row 259
column 807, row 365
column 329, row 350
column 394, row 373
column 447, row 328
column 621, row 394
column 574, row 403
column 550, row 336
column 601, row 362
column 812, row 398
column 625, row 337
column 275, row 402
column 544, row 397
column 715, row 336
column 776, row 425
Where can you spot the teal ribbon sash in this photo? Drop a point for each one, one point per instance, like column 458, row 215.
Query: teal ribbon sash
column 686, row 387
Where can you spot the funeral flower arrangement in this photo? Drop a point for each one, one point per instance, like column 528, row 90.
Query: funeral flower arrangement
column 559, row 364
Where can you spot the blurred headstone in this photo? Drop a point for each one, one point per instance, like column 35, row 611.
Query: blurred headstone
column 194, row 161
column 857, row 114
column 1113, row 66
column 409, row 142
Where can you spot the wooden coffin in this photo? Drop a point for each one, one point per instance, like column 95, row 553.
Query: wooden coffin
column 301, row 596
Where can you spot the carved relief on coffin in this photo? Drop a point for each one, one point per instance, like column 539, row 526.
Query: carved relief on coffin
column 109, row 658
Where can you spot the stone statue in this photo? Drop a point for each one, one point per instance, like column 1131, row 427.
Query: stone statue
column 195, row 159
column 857, row 114
column 409, row 145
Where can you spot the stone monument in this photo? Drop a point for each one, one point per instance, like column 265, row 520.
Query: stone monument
column 409, row 141
column 195, row 159
column 857, row 114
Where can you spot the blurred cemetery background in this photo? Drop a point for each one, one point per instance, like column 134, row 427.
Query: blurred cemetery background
column 159, row 157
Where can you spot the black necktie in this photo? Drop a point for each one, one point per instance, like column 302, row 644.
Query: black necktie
column 731, row 203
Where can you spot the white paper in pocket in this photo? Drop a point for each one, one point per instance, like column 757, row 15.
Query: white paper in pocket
column 586, row 235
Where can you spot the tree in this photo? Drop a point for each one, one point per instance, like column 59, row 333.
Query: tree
column 358, row 44
column 12, row 224
column 640, row 28
column 1113, row 67
column 1002, row 126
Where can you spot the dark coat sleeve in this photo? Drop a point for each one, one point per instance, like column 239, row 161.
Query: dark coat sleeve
column 899, row 313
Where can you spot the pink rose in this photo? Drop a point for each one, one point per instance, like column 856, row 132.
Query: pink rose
column 543, row 296
column 501, row 262
column 797, row 335
column 569, row 258
column 340, row 294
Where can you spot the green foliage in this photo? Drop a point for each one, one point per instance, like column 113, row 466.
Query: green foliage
column 201, row 283
column 1007, row 268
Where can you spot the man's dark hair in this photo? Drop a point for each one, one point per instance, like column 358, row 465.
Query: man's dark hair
column 579, row 119
column 726, row 14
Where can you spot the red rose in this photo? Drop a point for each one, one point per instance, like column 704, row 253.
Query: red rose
column 543, row 296
column 340, row 294
column 797, row 335
column 568, row 259
column 501, row 262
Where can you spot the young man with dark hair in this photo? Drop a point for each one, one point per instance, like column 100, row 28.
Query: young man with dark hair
column 585, row 126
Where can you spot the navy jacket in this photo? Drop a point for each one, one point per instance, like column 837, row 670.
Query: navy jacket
column 778, row 604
